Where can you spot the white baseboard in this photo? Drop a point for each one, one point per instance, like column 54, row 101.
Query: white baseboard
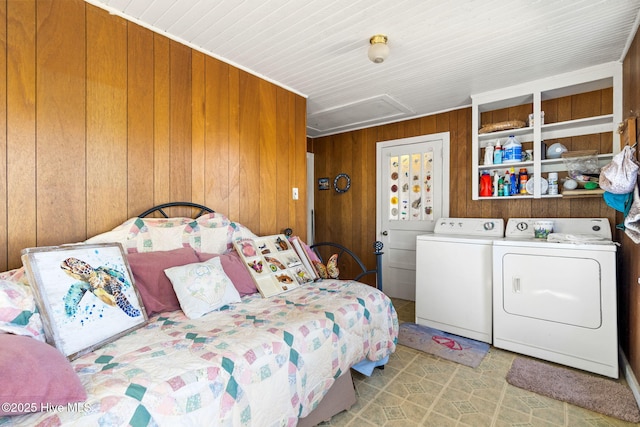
column 630, row 377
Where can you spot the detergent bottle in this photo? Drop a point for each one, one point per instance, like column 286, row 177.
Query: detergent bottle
column 512, row 151
column 485, row 184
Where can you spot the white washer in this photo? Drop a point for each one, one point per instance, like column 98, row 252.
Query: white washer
column 454, row 276
column 557, row 300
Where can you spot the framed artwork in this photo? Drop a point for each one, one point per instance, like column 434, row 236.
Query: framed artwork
column 85, row 294
column 273, row 263
column 323, row 183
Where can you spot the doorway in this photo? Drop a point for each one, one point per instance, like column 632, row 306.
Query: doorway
column 412, row 188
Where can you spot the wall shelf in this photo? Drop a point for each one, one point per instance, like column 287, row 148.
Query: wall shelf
column 528, row 98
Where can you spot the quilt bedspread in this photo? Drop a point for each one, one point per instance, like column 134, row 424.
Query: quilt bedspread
column 263, row 362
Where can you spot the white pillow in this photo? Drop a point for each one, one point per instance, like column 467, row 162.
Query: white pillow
column 202, row 287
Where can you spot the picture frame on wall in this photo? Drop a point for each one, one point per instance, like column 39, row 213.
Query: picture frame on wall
column 85, row 293
column 323, row 183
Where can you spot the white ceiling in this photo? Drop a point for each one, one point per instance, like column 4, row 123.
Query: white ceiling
column 442, row 51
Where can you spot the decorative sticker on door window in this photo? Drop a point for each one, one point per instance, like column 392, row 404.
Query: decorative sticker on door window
column 394, row 168
column 405, row 168
column 427, row 185
column 416, row 187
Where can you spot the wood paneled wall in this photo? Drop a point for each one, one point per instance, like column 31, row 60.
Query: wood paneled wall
column 628, row 292
column 349, row 218
column 101, row 119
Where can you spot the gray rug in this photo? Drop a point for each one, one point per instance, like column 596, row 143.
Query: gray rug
column 589, row 391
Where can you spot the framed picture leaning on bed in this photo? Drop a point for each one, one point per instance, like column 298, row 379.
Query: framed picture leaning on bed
column 85, row 294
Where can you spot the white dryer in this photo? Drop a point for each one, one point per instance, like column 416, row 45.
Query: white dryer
column 454, row 276
column 556, row 299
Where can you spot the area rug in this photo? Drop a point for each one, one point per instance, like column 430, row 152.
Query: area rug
column 589, row 391
column 448, row 346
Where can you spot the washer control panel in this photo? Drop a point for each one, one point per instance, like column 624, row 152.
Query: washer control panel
column 490, row 227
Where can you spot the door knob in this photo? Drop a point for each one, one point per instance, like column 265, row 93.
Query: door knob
column 385, row 233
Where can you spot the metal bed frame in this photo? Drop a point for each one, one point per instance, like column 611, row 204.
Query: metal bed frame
column 342, row 250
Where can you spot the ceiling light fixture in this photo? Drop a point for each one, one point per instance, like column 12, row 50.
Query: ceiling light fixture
column 378, row 51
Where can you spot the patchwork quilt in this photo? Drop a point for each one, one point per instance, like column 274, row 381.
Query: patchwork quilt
column 263, row 362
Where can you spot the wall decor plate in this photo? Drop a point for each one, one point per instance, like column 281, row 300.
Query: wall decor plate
column 342, row 183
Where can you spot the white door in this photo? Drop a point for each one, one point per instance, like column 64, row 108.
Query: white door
column 412, row 193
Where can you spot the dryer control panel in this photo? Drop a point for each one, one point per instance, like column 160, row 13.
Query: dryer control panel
column 522, row 228
column 490, row 227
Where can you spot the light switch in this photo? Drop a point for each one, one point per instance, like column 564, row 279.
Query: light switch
column 295, row 193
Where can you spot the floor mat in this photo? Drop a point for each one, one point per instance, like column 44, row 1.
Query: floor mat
column 448, row 346
column 589, row 391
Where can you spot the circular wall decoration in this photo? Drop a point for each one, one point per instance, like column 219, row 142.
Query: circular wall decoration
column 337, row 184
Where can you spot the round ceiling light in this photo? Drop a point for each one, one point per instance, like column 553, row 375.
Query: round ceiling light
column 379, row 50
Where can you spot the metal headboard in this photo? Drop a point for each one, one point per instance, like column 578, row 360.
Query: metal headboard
column 377, row 250
column 160, row 209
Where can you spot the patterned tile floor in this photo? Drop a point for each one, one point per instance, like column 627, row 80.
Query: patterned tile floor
column 417, row 389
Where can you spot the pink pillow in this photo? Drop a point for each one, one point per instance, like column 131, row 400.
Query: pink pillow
column 154, row 286
column 35, row 374
column 235, row 269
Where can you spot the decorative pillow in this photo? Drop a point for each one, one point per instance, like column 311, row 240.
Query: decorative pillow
column 235, row 270
column 202, row 287
column 33, row 374
column 18, row 311
column 155, row 288
column 332, row 267
column 321, row 269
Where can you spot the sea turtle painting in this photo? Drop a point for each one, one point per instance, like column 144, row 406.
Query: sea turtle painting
column 104, row 283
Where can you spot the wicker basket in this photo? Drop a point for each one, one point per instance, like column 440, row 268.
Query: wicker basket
column 494, row 127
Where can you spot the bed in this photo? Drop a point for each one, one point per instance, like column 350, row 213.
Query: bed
column 278, row 361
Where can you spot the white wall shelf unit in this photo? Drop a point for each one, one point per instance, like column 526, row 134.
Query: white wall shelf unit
column 532, row 94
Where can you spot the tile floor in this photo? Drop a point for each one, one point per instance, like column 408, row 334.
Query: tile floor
column 418, row 389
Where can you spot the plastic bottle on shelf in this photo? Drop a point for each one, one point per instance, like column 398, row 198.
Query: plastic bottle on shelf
column 512, row 151
column 485, row 184
column 488, row 154
column 497, row 153
column 524, row 177
column 507, row 184
column 500, row 186
column 496, row 184
column 552, row 178
column 513, row 184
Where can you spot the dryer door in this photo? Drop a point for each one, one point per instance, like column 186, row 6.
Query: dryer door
column 561, row 289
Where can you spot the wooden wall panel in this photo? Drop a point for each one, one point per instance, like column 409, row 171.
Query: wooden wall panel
column 140, row 113
column 125, row 119
column 268, row 150
column 180, row 124
column 60, row 121
column 249, row 179
column 4, row 234
column 285, row 134
column 21, row 128
column 106, row 120
column 298, row 217
column 198, row 127
column 628, row 289
column 161, row 121
column 217, row 136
